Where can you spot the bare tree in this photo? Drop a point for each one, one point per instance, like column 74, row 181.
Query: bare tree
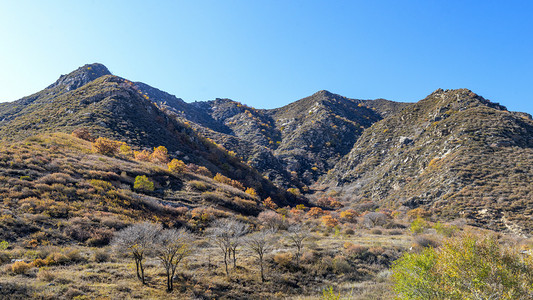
column 296, row 235
column 137, row 239
column 172, row 246
column 238, row 231
column 227, row 234
column 260, row 243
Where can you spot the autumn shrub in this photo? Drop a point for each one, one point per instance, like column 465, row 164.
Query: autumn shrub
column 142, row 183
column 349, row 216
column 83, row 133
column 20, row 267
column 315, row 212
column 100, row 256
column 251, row 192
column 160, row 155
column 445, row 230
column 464, row 267
column 329, row 221
column 143, row 155
column 177, row 166
column 425, row 241
column 283, row 260
column 341, row 265
column 105, row 146
column 125, row 150
column 228, row 181
column 269, row 203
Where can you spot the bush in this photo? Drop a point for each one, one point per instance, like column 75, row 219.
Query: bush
column 20, row 267
column 176, row 166
column 466, row 267
column 142, row 183
column 160, row 154
column 45, row 274
column 143, row 155
column 418, row 226
column 83, row 133
column 105, row 146
column 283, row 260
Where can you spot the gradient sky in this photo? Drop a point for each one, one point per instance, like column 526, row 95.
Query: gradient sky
column 269, row 53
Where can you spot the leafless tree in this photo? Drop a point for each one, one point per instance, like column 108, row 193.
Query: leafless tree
column 260, row 243
column 296, row 235
column 137, row 239
column 373, row 219
column 171, row 247
column 227, row 235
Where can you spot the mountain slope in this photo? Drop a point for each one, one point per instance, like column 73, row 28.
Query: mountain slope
column 454, row 153
column 116, row 108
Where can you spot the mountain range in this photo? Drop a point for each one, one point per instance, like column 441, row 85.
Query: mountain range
column 454, row 153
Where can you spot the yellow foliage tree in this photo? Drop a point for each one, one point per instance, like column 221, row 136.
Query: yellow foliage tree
column 105, row 146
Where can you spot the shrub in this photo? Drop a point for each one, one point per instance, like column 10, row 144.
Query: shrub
column 125, row 150
column 315, row 212
column 143, row 155
column 198, row 185
column 465, row 267
column 142, row 183
column 251, row 192
column 20, row 267
column 446, row 230
column 100, row 256
column 225, row 180
column 283, row 259
column 376, row 231
column 329, row 221
column 45, row 274
column 83, row 133
column 418, row 226
column 349, row 216
column 105, row 146
column 160, row 154
column 176, row 166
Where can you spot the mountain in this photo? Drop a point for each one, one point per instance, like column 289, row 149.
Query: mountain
column 113, row 107
column 453, row 153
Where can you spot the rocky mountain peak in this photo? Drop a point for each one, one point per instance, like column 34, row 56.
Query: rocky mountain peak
column 81, row 76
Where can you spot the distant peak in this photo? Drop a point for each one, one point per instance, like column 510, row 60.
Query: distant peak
column 81, row 76
column 323, row 93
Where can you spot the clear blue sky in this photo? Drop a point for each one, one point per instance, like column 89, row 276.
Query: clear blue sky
column 269, row 53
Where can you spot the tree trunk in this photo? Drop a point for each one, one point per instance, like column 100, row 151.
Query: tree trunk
column 142, row 272
column 262, row 273
column 234, row 258
column 226, row 262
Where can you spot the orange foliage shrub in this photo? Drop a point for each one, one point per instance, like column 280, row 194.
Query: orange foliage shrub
column 418, row 213
column 160, row 154
column 329, row 221
column 83, row 133
column 269, row 203
column 315, row 212
column 143, row 155
column 105, row 146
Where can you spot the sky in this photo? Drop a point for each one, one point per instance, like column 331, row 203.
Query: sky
column 269, row 53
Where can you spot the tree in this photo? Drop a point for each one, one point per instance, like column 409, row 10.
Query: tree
column 260, row 243
column 297, row 234
column 465, row 267
column 143, row 183
column 172, row 246
column 137, row 239
column 227, row 235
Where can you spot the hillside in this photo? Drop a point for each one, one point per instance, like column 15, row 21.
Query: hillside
column 453, row 153
column 113, row 107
